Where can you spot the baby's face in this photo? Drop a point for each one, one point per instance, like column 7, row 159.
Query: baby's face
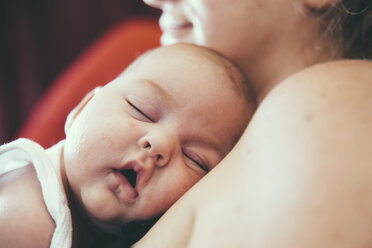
column 148, row 136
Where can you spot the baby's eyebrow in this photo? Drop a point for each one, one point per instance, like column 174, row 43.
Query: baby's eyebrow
column 158, row 89
column 211, row 142
column 217, row 146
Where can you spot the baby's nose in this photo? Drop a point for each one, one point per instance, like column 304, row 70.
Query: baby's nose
column 159, row 145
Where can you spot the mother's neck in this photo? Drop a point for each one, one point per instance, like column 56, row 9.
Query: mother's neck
column 286, row 56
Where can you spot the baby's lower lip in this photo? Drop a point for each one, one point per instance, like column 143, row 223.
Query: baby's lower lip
column 128, row 189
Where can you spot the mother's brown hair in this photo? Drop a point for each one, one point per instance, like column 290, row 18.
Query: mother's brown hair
column 347, row 24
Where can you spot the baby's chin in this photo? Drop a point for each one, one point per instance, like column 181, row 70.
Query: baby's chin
column 135, row 230
column 105, row 220
column 131, row 231
column 110, row 227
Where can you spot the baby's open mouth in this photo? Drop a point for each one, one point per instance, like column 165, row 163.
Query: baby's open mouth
column 131, row 176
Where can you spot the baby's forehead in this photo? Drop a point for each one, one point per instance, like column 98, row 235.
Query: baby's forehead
column 178, row 54
column 189, row 52
column 192, row 64
column 190, row 55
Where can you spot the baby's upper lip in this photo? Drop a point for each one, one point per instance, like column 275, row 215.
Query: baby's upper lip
column 169, row 21
column 137, row 167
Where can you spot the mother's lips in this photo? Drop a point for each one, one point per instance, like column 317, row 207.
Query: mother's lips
column 168, row 22
column 179, row 26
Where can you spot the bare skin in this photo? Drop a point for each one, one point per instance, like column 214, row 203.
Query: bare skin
column 15, row 220
column 301, row 176
column 30, row 224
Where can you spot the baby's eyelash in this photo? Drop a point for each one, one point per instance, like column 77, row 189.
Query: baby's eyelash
column 200, row 165
column 139, row 110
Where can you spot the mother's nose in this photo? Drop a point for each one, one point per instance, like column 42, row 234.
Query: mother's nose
column 158, row 3
column 159, row 145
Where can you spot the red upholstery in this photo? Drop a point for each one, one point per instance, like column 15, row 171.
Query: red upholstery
column 99, row 64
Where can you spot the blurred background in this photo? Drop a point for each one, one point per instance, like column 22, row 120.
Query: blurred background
column 40, row 38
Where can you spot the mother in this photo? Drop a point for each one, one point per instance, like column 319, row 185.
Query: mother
column 301, row 175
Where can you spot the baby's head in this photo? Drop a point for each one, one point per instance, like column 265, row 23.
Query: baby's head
column 146, row 137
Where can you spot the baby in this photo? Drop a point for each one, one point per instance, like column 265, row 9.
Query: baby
column 132, row 148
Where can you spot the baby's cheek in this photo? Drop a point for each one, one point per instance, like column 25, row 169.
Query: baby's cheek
column 170, row 190
column 180, row 188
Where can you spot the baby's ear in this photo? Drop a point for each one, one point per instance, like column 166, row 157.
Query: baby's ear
column 319, row 5
column 76, row 111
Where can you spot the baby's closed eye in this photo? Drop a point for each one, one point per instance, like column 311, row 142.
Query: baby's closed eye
column 193, row 158
column 138, row 112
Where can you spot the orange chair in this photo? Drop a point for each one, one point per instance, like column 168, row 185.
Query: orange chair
column 98, row 65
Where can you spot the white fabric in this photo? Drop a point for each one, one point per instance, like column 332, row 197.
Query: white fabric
column 22, row 152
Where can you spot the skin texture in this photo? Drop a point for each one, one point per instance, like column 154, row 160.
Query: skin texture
column 17, row 221
column 300, row 175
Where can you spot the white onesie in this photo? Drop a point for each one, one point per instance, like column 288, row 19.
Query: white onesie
column 22, row 152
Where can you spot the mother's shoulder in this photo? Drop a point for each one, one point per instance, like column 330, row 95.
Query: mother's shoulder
column 323, row 110
column 328, row 85
column 333, row 77
column 328, row 70
column 305, row 162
